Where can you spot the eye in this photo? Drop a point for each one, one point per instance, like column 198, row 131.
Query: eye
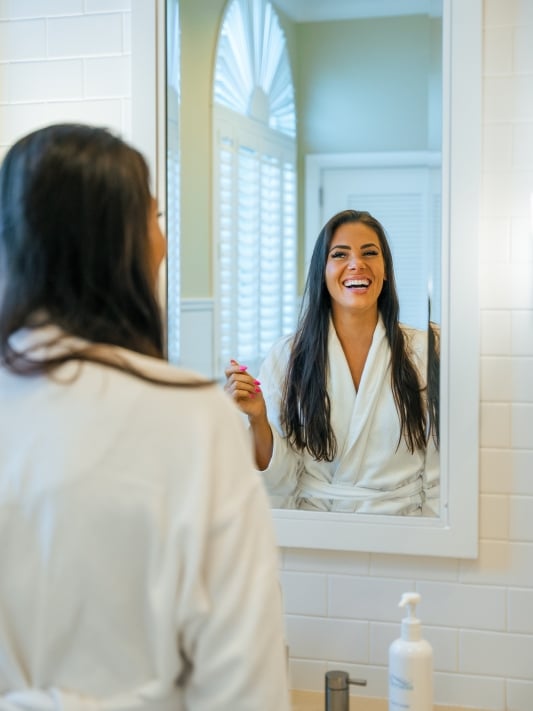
column 337, row 254
column 371, row 253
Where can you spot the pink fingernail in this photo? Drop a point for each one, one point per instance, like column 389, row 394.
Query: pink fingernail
column 243, row 367
column 257, row 382
column 258, row 390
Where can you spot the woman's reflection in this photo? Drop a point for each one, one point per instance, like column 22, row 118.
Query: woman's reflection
column 339, row 415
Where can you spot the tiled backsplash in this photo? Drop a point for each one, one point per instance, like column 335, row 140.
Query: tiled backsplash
column 64, row 60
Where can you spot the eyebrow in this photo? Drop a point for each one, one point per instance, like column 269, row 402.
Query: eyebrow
column 347, row 246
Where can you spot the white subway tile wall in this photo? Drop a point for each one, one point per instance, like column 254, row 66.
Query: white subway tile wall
column 70, row 60
column 64, row 60
column 494, row 516
column 17, row 9
column 479, row 691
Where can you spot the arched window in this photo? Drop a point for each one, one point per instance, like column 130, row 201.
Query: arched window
column 254, row 184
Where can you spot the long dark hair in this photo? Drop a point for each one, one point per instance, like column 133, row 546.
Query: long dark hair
column 433, row 388
column 74, row 246
column 306, row 408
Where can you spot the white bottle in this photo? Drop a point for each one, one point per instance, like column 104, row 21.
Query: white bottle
column 410, row 664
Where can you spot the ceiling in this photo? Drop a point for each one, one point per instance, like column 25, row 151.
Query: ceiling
column 321, row 10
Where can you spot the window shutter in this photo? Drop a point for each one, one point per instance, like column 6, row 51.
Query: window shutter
column 173, row 184
column 254, row 185
column 257, row 270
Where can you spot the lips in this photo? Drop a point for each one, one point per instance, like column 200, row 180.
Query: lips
column 357, row 283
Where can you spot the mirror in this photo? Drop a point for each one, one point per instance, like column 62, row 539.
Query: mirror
column 371, row 134
column 454, row 532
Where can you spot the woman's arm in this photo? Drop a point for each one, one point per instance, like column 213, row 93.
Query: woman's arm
column 245, row 391
column 278, row 462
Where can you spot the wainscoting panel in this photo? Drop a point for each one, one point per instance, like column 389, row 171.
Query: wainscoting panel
column 197, row 336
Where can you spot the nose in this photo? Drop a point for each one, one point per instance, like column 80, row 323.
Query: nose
column 356, row 262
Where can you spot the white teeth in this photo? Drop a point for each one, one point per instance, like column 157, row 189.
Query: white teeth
column 357, row 282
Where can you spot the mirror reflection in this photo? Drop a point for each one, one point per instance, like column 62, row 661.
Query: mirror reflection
column 312, row 116
column 339, row 416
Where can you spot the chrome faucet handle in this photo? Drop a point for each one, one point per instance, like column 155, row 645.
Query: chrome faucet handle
column 337, row 697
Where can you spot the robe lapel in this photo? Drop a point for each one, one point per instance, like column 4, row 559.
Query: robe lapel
column 352, row 413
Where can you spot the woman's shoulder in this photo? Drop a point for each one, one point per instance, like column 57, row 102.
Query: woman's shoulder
column 417, row 343
column 413, row 334
column 50, row 342
column 170, row 394
column 282, row 344
column 157, row 369
column 279, row 352
column 274, row 365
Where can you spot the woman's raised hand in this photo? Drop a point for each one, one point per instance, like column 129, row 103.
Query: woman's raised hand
column 245, row 390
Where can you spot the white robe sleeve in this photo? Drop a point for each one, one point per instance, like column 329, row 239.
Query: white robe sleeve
column 235, row 638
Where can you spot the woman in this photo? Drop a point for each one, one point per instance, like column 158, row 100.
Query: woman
column 136, row 547
column 339, row 422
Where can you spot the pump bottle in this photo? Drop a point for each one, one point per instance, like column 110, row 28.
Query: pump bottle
column 410, row 664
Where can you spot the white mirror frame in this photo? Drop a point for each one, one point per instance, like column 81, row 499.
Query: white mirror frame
column 455, row 533
column 148, row 89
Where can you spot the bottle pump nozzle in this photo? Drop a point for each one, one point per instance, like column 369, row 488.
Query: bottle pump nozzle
column 410, row 623
column 410, row 600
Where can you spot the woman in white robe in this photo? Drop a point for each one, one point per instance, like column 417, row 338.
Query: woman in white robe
column 137, row 554
column 338, row 415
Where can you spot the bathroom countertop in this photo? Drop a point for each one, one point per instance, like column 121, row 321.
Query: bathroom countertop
column 314, row 701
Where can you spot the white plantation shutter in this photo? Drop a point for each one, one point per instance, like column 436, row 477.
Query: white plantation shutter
column 247, row 274
column 173, row 249
column 254, row 185
column 173, row 182
column 252, row 72
column 289, row 255
column 435, row 280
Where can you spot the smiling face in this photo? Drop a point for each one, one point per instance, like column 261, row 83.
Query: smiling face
column 355, row 269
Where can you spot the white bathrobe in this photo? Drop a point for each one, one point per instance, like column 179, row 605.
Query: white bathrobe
column 138, row 568
column 371, row 472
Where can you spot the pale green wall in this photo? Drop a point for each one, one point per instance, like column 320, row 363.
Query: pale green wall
column 360, row 85
column 200, row 20
column 365, row 85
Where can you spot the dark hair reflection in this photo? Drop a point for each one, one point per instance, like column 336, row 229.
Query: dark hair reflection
column 433, row 391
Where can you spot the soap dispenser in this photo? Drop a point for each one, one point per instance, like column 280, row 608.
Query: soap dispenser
column 410, row 664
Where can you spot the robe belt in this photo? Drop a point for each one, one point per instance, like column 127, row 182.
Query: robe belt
column 310, row 487
column 148, row 697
